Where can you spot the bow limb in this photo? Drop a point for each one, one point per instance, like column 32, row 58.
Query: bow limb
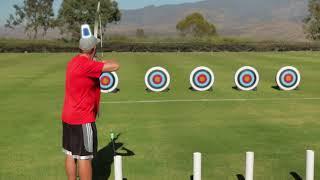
column 101, row 36
column 96, row 23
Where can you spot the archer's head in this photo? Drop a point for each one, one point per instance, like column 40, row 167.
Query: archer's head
column 88, row 45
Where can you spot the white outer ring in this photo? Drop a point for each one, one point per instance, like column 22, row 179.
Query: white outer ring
column 195, row 71
column 116, row 82
column 249, row 88
column 158, row 69
column 278, row 78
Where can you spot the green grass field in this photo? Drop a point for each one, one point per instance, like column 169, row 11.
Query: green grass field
column 278, row 126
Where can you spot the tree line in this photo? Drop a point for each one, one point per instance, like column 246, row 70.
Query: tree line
column 37, row 17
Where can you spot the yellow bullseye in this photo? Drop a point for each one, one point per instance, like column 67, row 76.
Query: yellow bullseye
column 105, row 81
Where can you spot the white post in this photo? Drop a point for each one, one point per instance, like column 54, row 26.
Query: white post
column 197, row 166
column 117, row 167
column 310, row 165
column 249, row 165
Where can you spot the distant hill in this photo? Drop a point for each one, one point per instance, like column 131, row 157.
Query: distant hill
column 262, row 19
column 257, row 19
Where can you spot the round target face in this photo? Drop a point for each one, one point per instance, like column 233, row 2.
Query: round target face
column 288, row 78
column 247, row 78
column 201, row 78
column 108, row 82
column 157, row 79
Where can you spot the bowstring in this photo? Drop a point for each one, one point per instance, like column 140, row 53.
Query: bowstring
column 97, row 31
column 101, row 35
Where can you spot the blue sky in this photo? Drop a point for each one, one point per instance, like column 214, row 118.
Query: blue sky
column 6, row 5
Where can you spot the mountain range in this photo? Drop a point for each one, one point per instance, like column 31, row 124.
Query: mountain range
column 254, row 19
column 258, row 19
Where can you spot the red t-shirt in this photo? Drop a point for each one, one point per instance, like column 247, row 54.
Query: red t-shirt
column 82, row 91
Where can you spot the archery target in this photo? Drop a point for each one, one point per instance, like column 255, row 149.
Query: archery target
column 201, row 78
column 108, row 82
column 157, row 79
column 247, row 78
column 288, row 78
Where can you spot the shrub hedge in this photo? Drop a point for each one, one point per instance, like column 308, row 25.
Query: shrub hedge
column 62, row 46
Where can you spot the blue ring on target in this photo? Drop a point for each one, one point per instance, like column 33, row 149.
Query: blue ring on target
column 202, row 78
column 108, row 82
column 246, row 78
column 288, row 78
column 157, row 79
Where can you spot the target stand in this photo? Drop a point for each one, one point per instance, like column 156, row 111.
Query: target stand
column 109, row 82
column 202, row 79
column 288, row 78
column 246, row 79
column 157, row 79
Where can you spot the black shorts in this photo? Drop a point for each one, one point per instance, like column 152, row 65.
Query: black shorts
column 80, row 141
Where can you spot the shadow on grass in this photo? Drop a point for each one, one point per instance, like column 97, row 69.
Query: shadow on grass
column 240, row 177
column 295, row 175
column 117, row 90
column 194, row 90
column 191, row 89
column 276, row 88
column 235, row 88
column 102, row 162
column 150, row 91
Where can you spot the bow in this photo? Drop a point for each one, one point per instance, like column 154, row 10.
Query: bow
column 98, row 27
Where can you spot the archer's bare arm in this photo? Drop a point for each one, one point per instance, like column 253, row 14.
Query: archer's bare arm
column 110, row 66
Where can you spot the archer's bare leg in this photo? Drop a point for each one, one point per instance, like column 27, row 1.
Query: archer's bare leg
column 71, row 168
column 85, row 169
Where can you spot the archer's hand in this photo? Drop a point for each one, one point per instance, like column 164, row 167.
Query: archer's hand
column 110, row 66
